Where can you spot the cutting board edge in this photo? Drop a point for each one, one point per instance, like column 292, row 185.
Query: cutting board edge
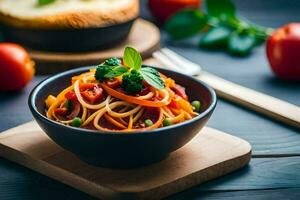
column 54, row 173
column 159, row 191
column 155, row 193
column 107, row 193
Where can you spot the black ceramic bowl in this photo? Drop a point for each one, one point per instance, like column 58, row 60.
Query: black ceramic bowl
column 121, row 150
column 68, row 40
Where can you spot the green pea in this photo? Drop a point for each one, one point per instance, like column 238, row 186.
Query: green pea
column 76, row 122
column 167, row 122
column 148, row 122
column 196, row 106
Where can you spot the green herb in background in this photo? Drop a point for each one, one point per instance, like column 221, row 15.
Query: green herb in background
column 44, row 2
column 221, row 28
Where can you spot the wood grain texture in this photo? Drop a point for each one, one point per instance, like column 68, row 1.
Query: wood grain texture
column 266, row 105
column 209, row 155
column 144, row 36
column 290, row 194
column 244, row 183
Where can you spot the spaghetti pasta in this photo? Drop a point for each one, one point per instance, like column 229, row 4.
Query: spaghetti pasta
column 105, row 106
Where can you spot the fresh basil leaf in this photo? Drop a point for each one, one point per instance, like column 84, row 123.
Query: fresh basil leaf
column 132, row 58
column 216, row 37
column 152, row 77
column 241, row 44
column 222, row 9
column 116, row 71
column 186, row 23
column 45, row 2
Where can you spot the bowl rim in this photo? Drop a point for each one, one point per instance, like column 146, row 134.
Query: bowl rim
column 39, row 86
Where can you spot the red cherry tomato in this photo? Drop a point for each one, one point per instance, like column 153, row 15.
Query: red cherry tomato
column 163, row 9
column 71, row 95
column 283, row 52
column 16, row 67
column 91, row 92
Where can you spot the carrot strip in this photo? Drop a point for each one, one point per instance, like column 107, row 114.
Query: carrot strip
column 131, row 99
column 178, row 118
column 185, row 105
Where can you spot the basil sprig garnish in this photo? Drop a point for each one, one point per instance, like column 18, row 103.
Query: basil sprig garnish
column 131, row 70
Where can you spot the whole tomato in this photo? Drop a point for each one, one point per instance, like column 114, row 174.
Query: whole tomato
column 16, row 67
column 163, row 9
column 283, row 52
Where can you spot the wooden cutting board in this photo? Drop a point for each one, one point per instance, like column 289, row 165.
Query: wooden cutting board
column 144, row 36
column 209, row 155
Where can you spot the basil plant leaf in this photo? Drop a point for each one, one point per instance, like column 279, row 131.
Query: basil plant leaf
column 216, row 37
column 241, row 44
column 45, row 2
column 152, row 77
column 186, row 23
column 116, row 71
column 222, row 9
column 132, row 58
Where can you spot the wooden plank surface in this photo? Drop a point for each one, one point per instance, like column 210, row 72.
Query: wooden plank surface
column 33, row 186
column 17, row 182
column 290, row 194
column 209, row 155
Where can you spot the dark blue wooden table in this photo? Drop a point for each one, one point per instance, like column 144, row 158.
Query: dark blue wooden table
column 274, row 171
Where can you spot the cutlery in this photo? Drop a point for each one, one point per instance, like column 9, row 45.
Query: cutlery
column 272, row 107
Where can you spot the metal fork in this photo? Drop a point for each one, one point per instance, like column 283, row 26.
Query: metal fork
column 176, row 62
column 272, row 107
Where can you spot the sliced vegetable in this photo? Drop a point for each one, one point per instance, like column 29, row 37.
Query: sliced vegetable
column 61, row 111
column 91, row 92
column 74, row 110
column 113, row 83
column 185, row 105
column 174, row 104
column 132, row 99
column 68, row 105
column 50, row 100
column 71, row 95
column 180, row 91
